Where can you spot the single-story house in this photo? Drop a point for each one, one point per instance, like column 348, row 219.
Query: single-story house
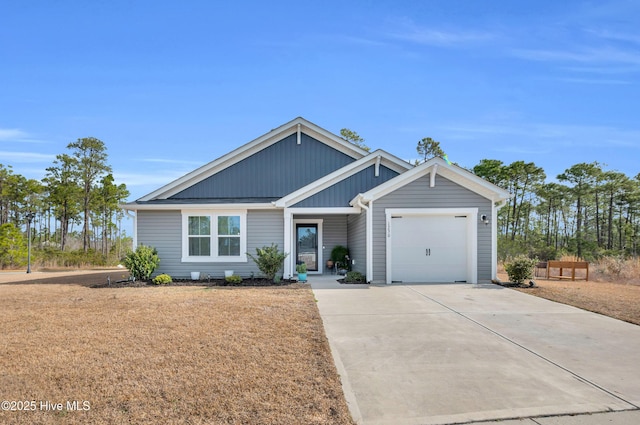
column 307, row 190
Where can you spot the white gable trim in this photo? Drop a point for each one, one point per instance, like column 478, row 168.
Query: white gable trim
column 244, row 206
column 437, row 165
column 292, row 127
column 377, row 157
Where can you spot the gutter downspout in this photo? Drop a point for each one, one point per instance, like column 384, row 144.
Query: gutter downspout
column 495, row 206
column 368, row 236
column 135, row 228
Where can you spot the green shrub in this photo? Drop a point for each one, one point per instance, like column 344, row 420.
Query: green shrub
column 301, row 268
column 340, row 256
column 354, row 277
column 233, row 279
column 13, row 247
column 520, row 268
column 162, row 279
column 142, row 262
column 269, row 260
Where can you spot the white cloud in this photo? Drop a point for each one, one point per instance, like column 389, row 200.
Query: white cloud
column 17, row 136
column 591, row 55
column 12, row 134
column 25, row 157
column 595, row 81
column 409, row 31
column 151, row 178
column 172, row 161
column 547, row 135
column 617, row 36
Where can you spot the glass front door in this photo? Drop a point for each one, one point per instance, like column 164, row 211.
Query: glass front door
column 307, row 245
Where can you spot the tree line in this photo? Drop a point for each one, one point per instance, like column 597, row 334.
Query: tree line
column 588, row 212
column 78, row 190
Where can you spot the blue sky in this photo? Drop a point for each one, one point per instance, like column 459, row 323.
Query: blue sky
column 169, row 86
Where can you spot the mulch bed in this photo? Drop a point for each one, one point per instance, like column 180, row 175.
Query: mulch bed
column 189, row 282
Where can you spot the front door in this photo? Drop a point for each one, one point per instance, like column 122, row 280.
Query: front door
column 307, row 245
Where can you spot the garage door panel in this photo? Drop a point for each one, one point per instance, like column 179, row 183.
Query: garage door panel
column 429, row 248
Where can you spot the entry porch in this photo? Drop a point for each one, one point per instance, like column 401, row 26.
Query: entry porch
column 311, row 234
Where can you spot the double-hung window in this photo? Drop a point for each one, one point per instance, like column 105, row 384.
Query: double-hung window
column 228, row 235
column 199, row 236
column 214, row 236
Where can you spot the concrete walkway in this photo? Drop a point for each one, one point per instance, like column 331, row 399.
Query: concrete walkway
column 459, row 353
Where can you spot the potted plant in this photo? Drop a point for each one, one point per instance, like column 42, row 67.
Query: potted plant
column 340, row 256
column 301, row 268
column 330, row 264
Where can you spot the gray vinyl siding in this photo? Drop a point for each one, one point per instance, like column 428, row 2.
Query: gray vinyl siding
column 357, row 236
column 418, row 194
column 339, row 194
column 163, row 230
column 271, row 173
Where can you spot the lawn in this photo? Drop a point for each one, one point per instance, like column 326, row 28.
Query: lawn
column 176, row 355
column 619, row 299
column 613, row 288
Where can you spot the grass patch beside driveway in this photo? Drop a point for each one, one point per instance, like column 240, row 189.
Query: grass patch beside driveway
column 167, row 355
column 614, row 299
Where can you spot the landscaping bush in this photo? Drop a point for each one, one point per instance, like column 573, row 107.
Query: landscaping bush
column 162, row 279
column 13, row 247
column 142, row 262
column 340, row 256
column 520, row 269
column 269, row 260
column 233, row 279
column 354, row 277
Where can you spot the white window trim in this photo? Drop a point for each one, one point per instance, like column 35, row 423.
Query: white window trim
column 214, row 257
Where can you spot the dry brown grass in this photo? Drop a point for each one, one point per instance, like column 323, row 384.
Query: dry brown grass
column 169, row 355
column 617, row 300
column 613, row 289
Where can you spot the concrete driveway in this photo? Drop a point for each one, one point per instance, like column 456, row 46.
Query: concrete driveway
column 456, row 353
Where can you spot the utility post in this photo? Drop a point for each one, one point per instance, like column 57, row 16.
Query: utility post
column 30, row 216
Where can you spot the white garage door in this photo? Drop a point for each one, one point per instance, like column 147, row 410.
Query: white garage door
column 428, row 248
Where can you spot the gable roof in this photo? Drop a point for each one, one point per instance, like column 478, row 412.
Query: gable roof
column 377, row 158
column 432, row 167
column 296, row 126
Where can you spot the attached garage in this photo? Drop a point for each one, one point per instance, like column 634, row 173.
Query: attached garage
column 431, row 245
column 434, row 223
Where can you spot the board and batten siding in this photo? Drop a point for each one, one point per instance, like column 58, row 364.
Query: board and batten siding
column 163, row 231
column 341, row 193
column 273, row 172
column 418, row 194
column 357, row 236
